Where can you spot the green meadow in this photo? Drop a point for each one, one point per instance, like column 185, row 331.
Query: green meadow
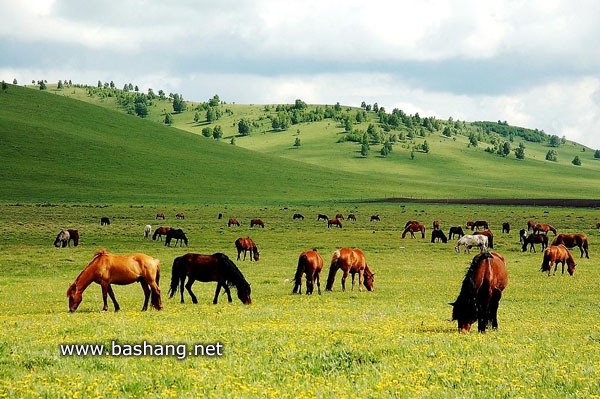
column 69, row 162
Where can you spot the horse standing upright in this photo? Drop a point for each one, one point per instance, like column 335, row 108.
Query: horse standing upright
column 246, row 244
column 310, row 263
column 233, row 222
column 298, row 216
column 481, row 292
column 147, row 231
column 506, row 227
column 106, row 269
column 375, row 218
column 334, row 223
column 469, row 241
column 352, row 217
column 351, row 261
column 104, row 221
column 322, row 216
column 180, row 215
column 205, row 268
column 488, row 233
column 573, row 240
column 160, row 215
column 257, row 222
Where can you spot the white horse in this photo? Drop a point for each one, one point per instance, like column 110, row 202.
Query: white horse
column 62, row 239
column 469, row 241
column 147, row 231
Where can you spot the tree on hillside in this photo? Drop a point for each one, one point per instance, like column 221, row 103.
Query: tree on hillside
column 552, row 155
column 15, row 81
column 554, row 141
column 576, row 161
column 215, row 101
column 597, row 154
column 207, row 131
column 168, row 119
column 141, row 110
column 217, row 132
column 4, row 86
column 178, row 103
column 520, row 151
column 425, row 146
column 59, row 86
column 244, row 127
column 297, row 142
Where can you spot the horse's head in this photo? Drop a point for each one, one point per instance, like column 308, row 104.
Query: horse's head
column 75, row 296
column 369, row 280
column 243, row 292
column 256, row 253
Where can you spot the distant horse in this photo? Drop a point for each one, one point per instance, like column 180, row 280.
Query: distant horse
column 352, row 217
column 160, row 216
column 455, row 231
column 506, row 227
column 481, row 292
column 62, row 239
column 104, row 221
column 375, row 218
column 573, row 240
column 535, row 239
column 147, row 231
column 298, row 216
column 106, row 269
column 351, row 261
column 530, row 225
column 339, row 216
column 413, row 228
column 159, row 232
column 246, row 244
column 556, row 254
column 73, row 236
column 220, row 216
column 310, row 263
column 469, row 241
column 598, row 225
column 543, row 227
column 477, row 224
column 178, row 235
column 439, row 236
column 436, row 225
column 180, row 216
column 321, row 216
column 257, row 222
column 233, row 222
column 205, row 268
column 489, row 235
column 334, row 222
column 522, row 236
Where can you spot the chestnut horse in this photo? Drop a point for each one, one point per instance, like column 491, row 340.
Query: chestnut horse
column 159, row 232
column 106, row 269
column 530, row 224
column 480, row 293
column 233, row 222
column 334, row 222
column 571, row 241
column 543, row 227
column 311, row 264
column 488, row 234
column 556, row 254
column 412, row 228
column 205, row 268
column 246, row 244
column 339, row 216
column 160, row 216
column 535, row 239
column 351, row 261
column 180, row 216
column 436, row 225
column 257, row 222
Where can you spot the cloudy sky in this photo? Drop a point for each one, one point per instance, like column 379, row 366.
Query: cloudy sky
column 531, row 63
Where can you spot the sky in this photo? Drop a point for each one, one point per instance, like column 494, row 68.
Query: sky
column 530, row 63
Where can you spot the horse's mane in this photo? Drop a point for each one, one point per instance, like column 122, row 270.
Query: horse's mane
column 465, row 306
column 97, row 254
column 233, row 275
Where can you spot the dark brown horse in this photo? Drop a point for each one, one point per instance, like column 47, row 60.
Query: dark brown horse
column 322, row 216
column 352, row 217
column 73, row 236
column 178, row 235
column 310, row 263
column 438, row 235
column 351, row 261
column 334, row 222
column 480, row 293
column 375, row 218
column 62, row 239
column 506, row 227
column 543, row 228
column 413, row 228
column 160, row 215
column 571, row 241
column 106, row 269
column 233, row 222
column 205, row 268
column 180, row 216
column 104, row 221
column 489, row 235
column 159, row 232
column 535, row 239
column 298, row 216
column 556, row 254
column 245, row 244
column 257, row 222
column 477, row 224
column 455, row 231
column 339, row 216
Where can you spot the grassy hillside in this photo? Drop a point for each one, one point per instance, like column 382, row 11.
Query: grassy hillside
column 58, row 144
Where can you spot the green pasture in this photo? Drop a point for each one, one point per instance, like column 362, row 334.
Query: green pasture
column 397, row 341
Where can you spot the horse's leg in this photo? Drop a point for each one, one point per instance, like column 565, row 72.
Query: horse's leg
column 104, row 292
column 188, row 286
column 217, row 291
column 318, row 278
column 496, row 295
column 155, row 295
column 344, row 276
column 181, row 282
column 146, row 289
column 360, row 280
column 112, row 297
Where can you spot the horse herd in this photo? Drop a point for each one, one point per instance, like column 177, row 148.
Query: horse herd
column 478, row 299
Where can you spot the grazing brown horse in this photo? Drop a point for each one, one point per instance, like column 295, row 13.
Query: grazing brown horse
column 352, row 217
column 477, row 224
column 246, row 244
column 233, row 222
column 413, row 228
column 410, row 222
column 543, row 227
column 535, row 239
column 180, row 216
column 322, row 216
column 160, row 216
column 104, row 221
column 489, row 235
column 571, row 241
column 556, row 254
column 506, row 227
column 298, row 216
column 310, row 263
column 436, row 225
column 257, row 222
column 375, row 218
column 106, row 269
column 530, row 225
column 351, row 261
column 481, row 292
column 159, row 232
column 334, row 222
column 205, row 268
column 339, row 216
column 455, row 231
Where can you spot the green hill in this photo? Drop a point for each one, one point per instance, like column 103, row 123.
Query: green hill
column 74, row 147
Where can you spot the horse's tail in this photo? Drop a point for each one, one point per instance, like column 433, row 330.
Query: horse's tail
column 176, row 273
column 155, row 296
column 299, row 271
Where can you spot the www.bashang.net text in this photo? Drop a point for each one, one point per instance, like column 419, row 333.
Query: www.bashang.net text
column 145, row 348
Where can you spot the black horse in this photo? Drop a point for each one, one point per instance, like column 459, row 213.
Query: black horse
column 178, row 235
column 439, row 236
column 455, row 231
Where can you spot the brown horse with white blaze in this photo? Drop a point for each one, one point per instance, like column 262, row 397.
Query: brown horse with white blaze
column 106, row 269
column 351, row 261
column 573, row 240
column 310, row 263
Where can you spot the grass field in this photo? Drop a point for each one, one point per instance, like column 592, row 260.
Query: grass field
column 397, row 341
